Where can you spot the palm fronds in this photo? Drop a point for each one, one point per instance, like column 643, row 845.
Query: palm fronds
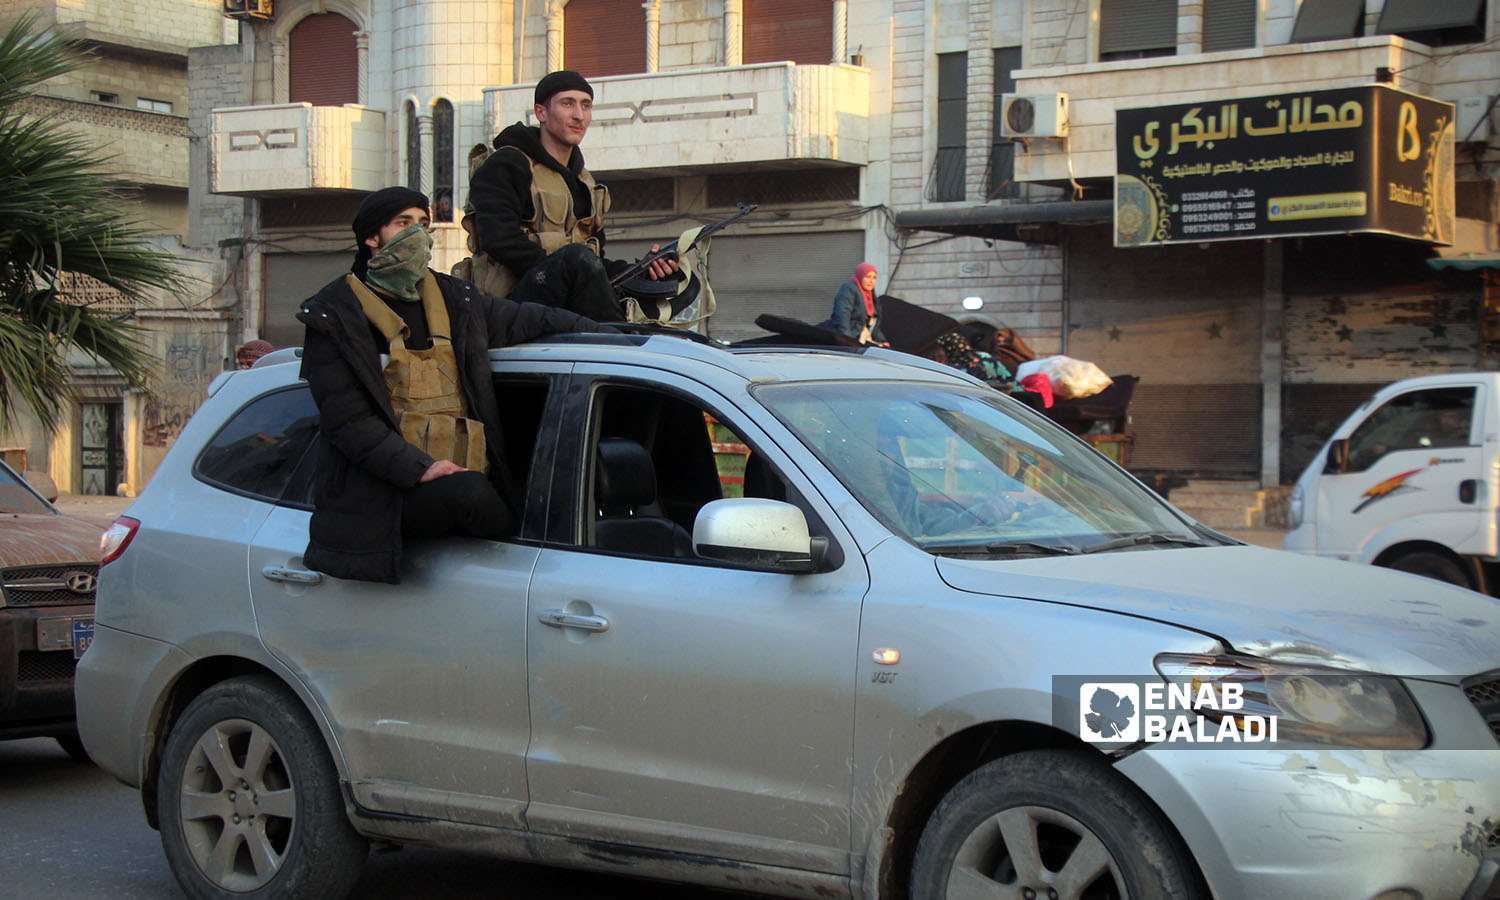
column 61, row 211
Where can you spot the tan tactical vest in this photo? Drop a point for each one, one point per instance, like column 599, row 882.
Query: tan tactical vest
column 553, row 224
column 424, row 384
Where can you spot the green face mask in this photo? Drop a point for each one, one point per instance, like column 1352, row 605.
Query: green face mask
column 399, row 266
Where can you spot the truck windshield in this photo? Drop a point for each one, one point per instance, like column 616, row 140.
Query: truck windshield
column 961, row 471
column 16, row 497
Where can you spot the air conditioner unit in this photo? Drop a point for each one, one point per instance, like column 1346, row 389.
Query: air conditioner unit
column 1034, row 115
column 247, row 9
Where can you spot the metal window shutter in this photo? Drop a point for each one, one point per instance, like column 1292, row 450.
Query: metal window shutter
column 290, row 279
column 1228, row 24
column 1328, row 20
column 604, row 37
column 797, row 30
column 1426, row 15
column 794, row 275
column 1126, row 25
column 323, row 61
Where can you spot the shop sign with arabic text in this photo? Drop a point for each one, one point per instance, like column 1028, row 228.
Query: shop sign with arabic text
column 1314, row 162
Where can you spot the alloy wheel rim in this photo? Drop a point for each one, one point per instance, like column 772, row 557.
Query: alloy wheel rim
column 238, row 806
column 1034, row 853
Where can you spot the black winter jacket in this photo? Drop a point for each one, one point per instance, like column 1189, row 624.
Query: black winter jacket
column 364, row 464
column 500, row 192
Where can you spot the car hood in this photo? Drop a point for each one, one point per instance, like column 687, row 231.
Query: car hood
column 1267, row 603
column 37, row 539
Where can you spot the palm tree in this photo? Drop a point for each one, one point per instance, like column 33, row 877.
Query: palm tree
column 62, row 220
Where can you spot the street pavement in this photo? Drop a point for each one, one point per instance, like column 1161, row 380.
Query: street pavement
column 68, row 830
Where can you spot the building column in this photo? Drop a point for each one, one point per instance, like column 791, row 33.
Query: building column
column 281, row 75
column 424, row 140
column 734, row 33
column 840, row 31
column 362, row 51
column 653, row 34
column 1272, row 315
column 555, row 59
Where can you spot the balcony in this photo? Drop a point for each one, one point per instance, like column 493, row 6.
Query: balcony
column 296, row 147
column 145, row 147
column 681, row 121
column 1096, row 90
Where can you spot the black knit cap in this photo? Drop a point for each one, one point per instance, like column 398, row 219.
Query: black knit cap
column 375, row 211
column 557, row 82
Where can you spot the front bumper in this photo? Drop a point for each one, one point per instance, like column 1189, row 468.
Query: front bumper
column 36, row 685
column 1340, row 824
column 121, row 682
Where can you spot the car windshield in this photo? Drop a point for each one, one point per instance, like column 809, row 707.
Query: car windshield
column 16, row 497
column 963, row 472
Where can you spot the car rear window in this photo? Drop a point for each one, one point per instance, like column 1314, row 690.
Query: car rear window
column 257, row 450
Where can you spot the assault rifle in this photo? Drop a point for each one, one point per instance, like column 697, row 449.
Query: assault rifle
column 632, row 281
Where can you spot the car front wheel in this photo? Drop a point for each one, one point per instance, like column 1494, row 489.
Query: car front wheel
column 1049, row 825
column 1432, row 565
column 249, row 799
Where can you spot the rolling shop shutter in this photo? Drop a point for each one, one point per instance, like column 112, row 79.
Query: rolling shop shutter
column 1228, row 24
column 323, row 61
column 604, row 37
column 796, row 30
column 794, row 275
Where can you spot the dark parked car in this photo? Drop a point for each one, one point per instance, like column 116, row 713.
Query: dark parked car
column 48, row 568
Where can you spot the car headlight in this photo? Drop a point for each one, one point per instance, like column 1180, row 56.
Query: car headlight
column 1311, row 703
column 1294, row 507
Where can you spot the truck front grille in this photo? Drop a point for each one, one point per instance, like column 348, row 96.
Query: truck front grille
column 1484, row 692
column 55, row 585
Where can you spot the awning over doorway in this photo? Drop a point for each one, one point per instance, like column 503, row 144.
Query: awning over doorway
column 1028, row 222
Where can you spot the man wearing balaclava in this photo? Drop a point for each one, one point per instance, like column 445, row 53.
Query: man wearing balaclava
column 536, row 231
column 396, row 357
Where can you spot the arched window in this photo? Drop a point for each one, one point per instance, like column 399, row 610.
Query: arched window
column 442, row 161
column 604, row 37
column 413, row 149
column 797, row 30
column 324, row 61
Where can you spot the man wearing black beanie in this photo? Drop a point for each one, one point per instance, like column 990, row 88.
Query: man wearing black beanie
column 412, row 446
column 536, row 230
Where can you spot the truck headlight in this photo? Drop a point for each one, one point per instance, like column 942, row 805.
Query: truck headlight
column 1311, row 703
column 1294, row 507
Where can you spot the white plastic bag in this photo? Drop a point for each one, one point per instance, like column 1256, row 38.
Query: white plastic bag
column 1071, row 378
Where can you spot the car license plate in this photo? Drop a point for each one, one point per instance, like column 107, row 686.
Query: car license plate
column 83, row 635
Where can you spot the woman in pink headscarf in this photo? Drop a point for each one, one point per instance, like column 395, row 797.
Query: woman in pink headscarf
column 854, row 308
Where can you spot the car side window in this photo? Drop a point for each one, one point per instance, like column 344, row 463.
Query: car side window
column 1418, row 420
column 655, row 459
column 256, row 451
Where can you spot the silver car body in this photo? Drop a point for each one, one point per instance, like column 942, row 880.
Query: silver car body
column 731, row 726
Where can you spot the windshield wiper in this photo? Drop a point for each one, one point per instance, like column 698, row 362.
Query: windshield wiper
column 1000, row 548
column 1137, row 540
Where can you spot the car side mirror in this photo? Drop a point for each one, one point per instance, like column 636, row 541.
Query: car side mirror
column 1338, row 457
column 750, row 531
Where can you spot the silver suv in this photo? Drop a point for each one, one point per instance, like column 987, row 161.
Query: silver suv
column 812, row 623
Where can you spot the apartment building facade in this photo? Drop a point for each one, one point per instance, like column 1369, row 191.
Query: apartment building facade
column 130, row 101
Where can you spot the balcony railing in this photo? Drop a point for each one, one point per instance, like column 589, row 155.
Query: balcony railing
column 694, row 119
column 296, row 147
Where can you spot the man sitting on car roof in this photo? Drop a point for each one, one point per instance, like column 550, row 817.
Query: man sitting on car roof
column 411, row 443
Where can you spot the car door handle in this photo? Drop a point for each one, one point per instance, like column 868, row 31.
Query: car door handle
column 559, row 619
column 292, row 576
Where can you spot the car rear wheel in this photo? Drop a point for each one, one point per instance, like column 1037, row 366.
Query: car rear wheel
column 1432, row 565
column 1050, row 825
column 249, row 799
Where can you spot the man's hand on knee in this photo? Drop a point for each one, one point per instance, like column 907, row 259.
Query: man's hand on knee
column 440, row 468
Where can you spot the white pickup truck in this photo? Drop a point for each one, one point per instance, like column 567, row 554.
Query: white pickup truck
column 1410, row 480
